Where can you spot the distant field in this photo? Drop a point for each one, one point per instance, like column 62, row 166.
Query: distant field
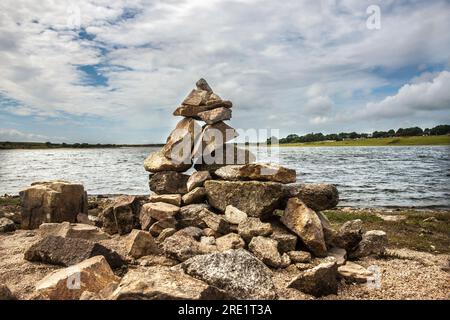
column 395, row 141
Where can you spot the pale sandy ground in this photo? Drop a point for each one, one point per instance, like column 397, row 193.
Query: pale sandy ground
column 20, row 275
column 17, row 273
column 405, row 274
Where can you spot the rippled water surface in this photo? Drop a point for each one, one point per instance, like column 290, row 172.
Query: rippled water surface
column 365, row 176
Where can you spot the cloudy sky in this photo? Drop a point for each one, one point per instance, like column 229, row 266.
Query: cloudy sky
column 114, row 71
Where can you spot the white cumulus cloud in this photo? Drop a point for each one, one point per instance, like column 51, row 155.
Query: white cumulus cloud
column 264, row 56
column 426, row 96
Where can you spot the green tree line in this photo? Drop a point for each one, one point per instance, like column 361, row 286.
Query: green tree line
column 401, row 132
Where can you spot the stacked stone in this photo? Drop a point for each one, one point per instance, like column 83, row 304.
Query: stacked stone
column 250, row 206
column 189, row 142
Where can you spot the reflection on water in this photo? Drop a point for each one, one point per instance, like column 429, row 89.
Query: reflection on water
column 365, row 176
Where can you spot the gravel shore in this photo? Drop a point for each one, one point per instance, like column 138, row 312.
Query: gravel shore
column 416, row 265
column 404, row 273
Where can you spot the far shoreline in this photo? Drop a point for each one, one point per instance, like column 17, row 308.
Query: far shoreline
column 7, row 145
column 413, row 141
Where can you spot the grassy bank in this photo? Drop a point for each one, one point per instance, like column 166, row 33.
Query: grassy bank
column 394, row 141
column 417, row 230
column 9, row 201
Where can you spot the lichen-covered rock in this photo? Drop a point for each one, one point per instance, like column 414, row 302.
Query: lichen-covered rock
column 7, row 225
column 168, row 182
column 229, row 241
column 353, row 272
column 157, row 211
column 193, row 111
column 234, row 215
column 164, row 234
column 266, row 250
column 215, row 101
column 163, row 283
column 140, row 243
column 208, row 232
column 156, row 260
column 197, row 179
column 157, row 162
column 197, row 97
column 190, row 215
column 349, row 235
column 157, row 227
column 211, row 241
column 174, row 199
column 257, row 171
column 54, row 201
column 257, row 199
column 215, row 221
column 121, row 216
column 193, row 232
column 299, row 256
column 287, row 241
column 373, row 242
column 215, row 115
column 197, row 195
column 305, row 223
column 253, row 227
column 285, row 260
column 70, row 251
column 317, row 196
column 318, row 281
column 91, row 275
column 72, row 230
column 303, row 266
column 181, row 246
column 237, row 272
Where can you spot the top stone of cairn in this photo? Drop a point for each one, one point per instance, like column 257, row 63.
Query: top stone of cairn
column 203, row 85
column 200, row 100
column 189, row 139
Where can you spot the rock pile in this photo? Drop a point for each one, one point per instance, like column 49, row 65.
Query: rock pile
column 190, row 143
column 222, row 231
column 226, row 207
column 54, row 201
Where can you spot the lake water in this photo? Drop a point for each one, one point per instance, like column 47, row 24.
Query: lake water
column 365, row 176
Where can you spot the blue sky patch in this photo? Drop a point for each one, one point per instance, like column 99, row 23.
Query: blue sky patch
column 92, row 76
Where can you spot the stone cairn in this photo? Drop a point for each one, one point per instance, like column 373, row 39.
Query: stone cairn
column 233, row 203
column 222, row 232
